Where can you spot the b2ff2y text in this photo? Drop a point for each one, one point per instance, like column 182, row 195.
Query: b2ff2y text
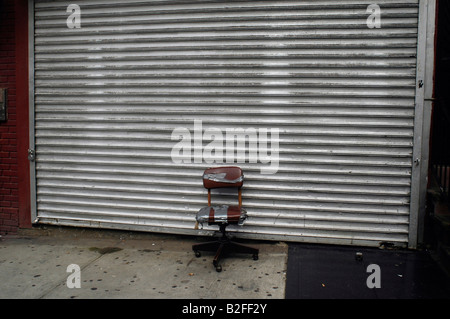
column 235, row 308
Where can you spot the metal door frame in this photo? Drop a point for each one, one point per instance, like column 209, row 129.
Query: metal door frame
column 33, row 199
column 422, row 119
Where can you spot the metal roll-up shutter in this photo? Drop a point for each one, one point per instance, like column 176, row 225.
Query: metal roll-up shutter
column 112, row 96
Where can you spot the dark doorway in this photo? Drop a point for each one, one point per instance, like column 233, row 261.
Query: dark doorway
column 440, row 140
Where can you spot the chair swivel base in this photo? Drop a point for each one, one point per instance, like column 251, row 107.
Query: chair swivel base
column 222, row 247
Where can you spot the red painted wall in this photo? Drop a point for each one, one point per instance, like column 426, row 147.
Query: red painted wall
column 14, row 166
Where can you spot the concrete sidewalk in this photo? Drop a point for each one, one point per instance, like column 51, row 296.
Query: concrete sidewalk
column 120, row 264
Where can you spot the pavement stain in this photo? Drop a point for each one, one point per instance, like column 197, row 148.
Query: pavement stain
column 105, row 250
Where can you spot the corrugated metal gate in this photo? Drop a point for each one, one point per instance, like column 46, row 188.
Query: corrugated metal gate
column 113, row 97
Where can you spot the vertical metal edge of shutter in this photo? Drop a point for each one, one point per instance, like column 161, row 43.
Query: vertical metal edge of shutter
column 96, row 159
column 31, row 109
column 422, row 119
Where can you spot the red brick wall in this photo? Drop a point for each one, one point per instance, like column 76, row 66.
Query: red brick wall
column 14, row 185
column 9, row 198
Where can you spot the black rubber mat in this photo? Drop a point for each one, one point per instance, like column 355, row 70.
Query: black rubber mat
column 336, row 272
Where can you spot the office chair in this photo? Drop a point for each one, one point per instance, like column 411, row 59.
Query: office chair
column 224, row 215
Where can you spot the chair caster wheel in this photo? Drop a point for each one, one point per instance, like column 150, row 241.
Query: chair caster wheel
column 218, row 268
column 255, row 257
column 197, row 254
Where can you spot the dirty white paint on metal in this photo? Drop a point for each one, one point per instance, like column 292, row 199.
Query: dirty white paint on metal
column 109, row 95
